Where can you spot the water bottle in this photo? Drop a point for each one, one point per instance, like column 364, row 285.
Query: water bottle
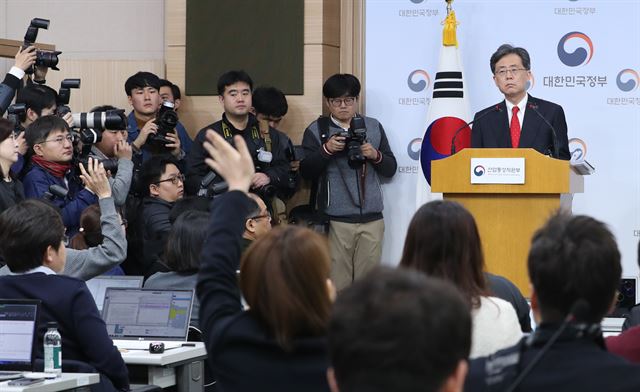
column 52, row 350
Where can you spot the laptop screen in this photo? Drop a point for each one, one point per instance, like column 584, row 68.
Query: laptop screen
column 17, row 332
column 147, row 314
column 98, row 285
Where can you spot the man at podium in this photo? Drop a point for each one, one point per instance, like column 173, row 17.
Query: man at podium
column 520, row 121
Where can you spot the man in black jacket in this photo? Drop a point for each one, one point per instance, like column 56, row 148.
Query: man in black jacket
column 163, row 185
column 520, row 121
column 574, row 268
column 265, row 143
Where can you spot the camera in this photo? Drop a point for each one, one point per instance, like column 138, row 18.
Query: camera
column 355, row 137
column 262, row 159
column 44, row 58
column 88, row 137
column 64, row 94
column 91, row 125
column 210, row 188
column 14, row 113
column 292, row 179
column 166, row 120
column 111, row 119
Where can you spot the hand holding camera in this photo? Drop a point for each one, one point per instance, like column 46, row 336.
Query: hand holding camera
column 150, row 128
column 336, row 143
column 95, row 178
column 369, row 152
column 173, row 143
column 25, row 58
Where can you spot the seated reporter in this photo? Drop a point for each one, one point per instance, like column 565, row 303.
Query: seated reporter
column 86, row 263
column 257, row 222
column 182, row 257
column 163, row 185
column 280, row 343
column 399, row 330
column 98, row 233
column 443, row 241
column 31, row 243
column 11, row 190
column 574, row 269
column 51, row 154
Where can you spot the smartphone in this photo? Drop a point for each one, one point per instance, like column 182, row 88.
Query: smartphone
column 25, row 381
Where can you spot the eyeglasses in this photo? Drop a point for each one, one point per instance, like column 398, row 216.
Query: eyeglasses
column 513, row 71
column 174, row 179
column 337, row 102
column 261, row 216
column 59, row 140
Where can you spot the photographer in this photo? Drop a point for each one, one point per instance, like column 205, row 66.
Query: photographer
column 146, row 135
column 114, row 151
column 265, row 144
column 346, row 166
column 51, row 150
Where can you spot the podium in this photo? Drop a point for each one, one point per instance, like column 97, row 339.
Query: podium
column 507, row 215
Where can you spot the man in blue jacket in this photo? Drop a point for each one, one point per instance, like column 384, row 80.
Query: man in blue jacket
column 51, row 152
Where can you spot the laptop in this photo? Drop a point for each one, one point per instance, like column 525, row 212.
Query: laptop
column 18, row 318
column 136, row 317
column 98, row 285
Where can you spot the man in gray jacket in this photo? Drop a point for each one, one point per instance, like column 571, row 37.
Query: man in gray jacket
column 346, row 165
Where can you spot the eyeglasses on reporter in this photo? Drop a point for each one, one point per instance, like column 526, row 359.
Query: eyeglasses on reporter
column 59, row 139
column 174, row 179
column 337, row 102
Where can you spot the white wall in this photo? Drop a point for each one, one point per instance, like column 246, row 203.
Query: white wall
column 103, row 42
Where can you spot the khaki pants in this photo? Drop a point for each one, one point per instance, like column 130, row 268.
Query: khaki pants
column 355, row 248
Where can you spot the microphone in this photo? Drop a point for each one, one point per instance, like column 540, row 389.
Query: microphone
column 579, row 312
column 554, row 135
column 55, row 191
column 492, row 109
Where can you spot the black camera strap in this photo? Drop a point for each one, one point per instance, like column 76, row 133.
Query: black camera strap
column 255, row 134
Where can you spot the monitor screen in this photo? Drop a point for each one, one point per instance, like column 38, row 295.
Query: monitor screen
column 17, row 328
column 147, row 314
column 98, row 285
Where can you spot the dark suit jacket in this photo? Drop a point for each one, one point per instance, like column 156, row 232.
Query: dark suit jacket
column 68, row 302
column 243, row 354
column 492, row 130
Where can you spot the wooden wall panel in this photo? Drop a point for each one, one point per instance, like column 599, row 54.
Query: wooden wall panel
column 102, row 81
column 321, row 59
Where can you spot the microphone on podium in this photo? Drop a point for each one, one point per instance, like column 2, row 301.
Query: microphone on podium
column 492, row 109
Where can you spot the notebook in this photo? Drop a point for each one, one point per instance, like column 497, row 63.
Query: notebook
column 18, row 319
column 136, row 317
column 98, row 285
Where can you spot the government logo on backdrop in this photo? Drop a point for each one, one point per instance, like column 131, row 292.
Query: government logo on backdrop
column 418, row 80
column 413, row 149
column 628, row 80
column 577, row 148
column 581, row 55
